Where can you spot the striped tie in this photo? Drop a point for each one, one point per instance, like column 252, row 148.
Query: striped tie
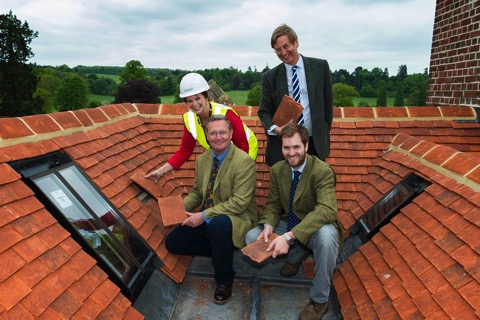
column 296, row 91
column 211, row 182
column 293, row 220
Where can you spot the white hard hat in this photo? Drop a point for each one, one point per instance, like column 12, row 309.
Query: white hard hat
column 192, row 84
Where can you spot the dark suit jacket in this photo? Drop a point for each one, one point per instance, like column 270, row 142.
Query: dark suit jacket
column 314, row 203
column 320, row 95
column 233, row 191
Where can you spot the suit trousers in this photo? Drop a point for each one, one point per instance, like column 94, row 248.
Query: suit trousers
column 213, row 239
column 324, row 246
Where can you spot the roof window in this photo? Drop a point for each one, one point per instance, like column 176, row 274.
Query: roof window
column 69, row 195
column 389, row 206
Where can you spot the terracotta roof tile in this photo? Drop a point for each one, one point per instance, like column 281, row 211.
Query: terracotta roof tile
column 8, row 297
column 33, row 272
column 65, row 305
column 104, row 294
column 89, row 310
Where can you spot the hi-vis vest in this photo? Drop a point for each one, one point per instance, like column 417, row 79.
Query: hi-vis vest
column 194, row 126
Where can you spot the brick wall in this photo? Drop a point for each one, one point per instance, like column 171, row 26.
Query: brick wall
column 455, row 57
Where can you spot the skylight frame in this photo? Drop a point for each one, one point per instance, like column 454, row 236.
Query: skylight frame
column 69, row 194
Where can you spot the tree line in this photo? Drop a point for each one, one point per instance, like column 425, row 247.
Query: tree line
column 27, row 88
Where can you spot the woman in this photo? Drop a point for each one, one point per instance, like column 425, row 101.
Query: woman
column 194, row 89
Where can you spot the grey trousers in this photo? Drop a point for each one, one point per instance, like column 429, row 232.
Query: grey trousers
column 324, row 246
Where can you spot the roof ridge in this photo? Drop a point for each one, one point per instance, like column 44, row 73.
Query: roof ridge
column 441, row 158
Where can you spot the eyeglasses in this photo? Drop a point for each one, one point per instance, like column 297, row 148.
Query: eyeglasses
column 286, row 46
column 215, row 133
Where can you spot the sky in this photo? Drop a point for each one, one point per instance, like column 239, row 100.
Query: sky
column 195, row 35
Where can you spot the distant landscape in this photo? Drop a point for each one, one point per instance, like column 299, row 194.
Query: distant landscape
column 239, row 97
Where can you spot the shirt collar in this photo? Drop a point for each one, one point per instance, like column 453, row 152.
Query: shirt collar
column 221, row 156
column 301, row 168
column 299, row 64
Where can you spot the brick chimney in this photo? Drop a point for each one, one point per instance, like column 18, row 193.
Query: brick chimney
column 455, row 58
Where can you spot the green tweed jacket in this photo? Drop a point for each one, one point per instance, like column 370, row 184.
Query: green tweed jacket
column 233, row 192
column 314, row 202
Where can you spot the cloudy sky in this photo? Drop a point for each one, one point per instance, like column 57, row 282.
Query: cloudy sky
column 196, row 35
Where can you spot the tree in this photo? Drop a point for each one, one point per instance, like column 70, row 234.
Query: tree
column 134, row 70
column 17, row 79
column 399, row 99
column 402, row 72
column 139, row 90
column 254, row 96
column 367, row 90
column 72, row 93
column 342, row 95
column 382, row 95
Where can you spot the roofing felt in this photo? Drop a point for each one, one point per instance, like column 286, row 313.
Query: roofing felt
column 423, row 264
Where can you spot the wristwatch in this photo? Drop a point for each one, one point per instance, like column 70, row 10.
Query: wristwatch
column 288, row 238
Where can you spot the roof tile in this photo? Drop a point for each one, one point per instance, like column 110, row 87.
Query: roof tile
column 10, row 263
column 41, row 123
column 88, row 310
column 65, row 305
column 33, row 273
column 8, row 237
column 405, row 306
column 13, row 128
column 8, row 297
column 453, row 303
column 104, row 294
column 425, row 303
column 17, row 312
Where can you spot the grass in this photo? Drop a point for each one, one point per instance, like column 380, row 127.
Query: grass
column 114, row 77
column 239, row 97
column 372, row 102
column 102, row 99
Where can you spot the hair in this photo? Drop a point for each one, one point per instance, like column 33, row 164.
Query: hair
column 283, row 30
column 217, row 117
column 204, row 93
column 291, row 128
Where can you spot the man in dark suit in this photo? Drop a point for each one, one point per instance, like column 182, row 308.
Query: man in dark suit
column 316, row 95
column 227, row 206
column 302, row 207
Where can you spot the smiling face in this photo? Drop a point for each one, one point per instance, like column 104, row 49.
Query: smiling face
column 286, row 51
column 219, row 135
column 294, row 151
column 198, row 103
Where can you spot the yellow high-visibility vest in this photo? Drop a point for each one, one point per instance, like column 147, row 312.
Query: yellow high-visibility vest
column 194, row 126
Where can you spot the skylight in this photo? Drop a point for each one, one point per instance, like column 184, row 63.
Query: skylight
column 87, row 214
column 389, row 205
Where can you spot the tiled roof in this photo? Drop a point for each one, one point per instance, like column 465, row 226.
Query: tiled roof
column 427, row 256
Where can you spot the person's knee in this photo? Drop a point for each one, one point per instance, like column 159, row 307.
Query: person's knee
column 170, row 243
column 221, row 225
column 252, row 235
column 326, row 236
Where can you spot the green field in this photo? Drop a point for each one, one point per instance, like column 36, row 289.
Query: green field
column 239, row 97
column 372, row 102
column 114, row 77
column 102, row 99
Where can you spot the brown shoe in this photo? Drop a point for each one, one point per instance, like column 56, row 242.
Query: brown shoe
column 314, row 311
column 223, row 293
column 289, row 269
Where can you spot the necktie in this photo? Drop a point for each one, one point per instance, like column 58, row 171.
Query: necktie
column 296, row 91
column 211, row 182
column 292, row 218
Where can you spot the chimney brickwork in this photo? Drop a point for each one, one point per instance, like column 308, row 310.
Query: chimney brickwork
column 455, row 57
